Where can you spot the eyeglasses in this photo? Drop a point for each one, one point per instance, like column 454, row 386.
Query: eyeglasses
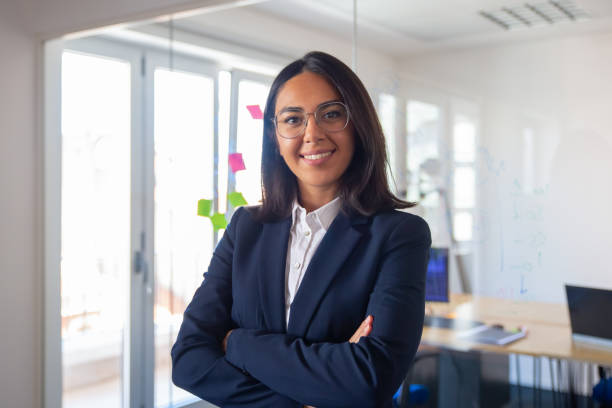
column 329, row 116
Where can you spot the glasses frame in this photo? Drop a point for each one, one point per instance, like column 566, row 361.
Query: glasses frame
column 308, row 114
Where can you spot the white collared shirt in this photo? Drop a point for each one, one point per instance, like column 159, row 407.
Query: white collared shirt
column 307, row 232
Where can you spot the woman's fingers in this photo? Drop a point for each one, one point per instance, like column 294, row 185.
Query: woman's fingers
column 355, row 337
column 364, row 329
column 225, row 340
column 368, row 328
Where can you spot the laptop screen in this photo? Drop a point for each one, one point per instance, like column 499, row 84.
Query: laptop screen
column 589, row 311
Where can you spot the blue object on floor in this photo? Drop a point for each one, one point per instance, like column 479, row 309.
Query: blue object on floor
column 396, row 397
column 417, row 394
column 602, row 392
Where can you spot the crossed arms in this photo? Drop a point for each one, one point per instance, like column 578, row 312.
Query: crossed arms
column 264, row 369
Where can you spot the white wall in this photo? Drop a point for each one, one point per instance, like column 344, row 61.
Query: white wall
column 20, row 342
column 543, row 221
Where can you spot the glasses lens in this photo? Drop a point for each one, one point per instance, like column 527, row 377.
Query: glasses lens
column 332, row 117
column 290, row 124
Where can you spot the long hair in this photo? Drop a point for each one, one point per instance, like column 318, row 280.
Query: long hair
column 364, row 188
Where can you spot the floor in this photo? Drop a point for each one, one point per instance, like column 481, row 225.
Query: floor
column 108, row 393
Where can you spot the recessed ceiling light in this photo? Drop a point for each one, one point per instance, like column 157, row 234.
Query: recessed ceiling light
column 536, row 13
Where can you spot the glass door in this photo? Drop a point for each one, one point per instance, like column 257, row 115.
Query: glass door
column 95, row 266
column 183, row 130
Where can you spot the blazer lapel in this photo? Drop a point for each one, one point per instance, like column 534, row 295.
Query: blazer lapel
column 336, row 246
column 271, row 273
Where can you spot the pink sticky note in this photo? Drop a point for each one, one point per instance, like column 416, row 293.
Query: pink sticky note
column 255, row 111
column 236, row 162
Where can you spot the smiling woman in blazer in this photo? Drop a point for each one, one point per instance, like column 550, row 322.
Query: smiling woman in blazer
column 315, row 297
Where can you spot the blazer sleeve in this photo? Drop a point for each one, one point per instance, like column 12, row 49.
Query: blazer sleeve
column 198, row 363
column 366, row 373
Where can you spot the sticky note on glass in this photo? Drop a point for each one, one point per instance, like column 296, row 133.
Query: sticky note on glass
column 204, row 207
column 255, row 111
column 236, row 199
column 218, row 221
column 236, row 162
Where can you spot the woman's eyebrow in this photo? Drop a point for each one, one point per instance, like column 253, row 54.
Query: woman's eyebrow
column 300, row 109
column 291, row 109
column 326, row 102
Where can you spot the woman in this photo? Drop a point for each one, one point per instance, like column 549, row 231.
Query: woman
column 328, row 226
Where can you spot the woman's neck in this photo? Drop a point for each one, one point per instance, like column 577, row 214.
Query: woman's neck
column 314, row 198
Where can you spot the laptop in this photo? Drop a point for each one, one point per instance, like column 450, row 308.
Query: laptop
column 590, row 316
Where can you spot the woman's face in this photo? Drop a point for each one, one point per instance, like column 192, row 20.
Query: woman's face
column 317, row 158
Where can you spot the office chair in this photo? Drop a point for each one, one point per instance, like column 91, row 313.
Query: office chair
column 413, row 395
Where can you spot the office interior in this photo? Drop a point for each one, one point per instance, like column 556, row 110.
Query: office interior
column 497, row 120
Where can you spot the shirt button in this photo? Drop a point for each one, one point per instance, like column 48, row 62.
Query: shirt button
column 307, row 233
column 297, row 265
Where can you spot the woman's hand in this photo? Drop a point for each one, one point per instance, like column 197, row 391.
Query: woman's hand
column 364, row 329
column 225, row 340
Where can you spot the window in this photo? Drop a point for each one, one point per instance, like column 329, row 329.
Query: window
column 95, row 229
column 464, row 176
column 426, row 181
column 183, row 106
column 387, row 106
column 142, row 142
column 249, row 137
column 441, row 161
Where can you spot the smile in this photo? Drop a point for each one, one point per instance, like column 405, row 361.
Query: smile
column 317, row 156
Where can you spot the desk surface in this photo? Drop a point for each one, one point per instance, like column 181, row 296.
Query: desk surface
column 548, row 328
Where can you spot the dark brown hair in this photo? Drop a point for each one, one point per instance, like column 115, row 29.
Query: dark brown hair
column 364, row 188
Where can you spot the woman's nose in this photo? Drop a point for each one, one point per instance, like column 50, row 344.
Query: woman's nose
column 313, row 133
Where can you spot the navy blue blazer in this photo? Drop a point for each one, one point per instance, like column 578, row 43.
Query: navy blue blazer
column 364, row 265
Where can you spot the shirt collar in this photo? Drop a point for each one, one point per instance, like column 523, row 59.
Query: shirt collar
column 325, row 215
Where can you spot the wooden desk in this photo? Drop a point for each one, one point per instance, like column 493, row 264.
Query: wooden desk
column 548, row 328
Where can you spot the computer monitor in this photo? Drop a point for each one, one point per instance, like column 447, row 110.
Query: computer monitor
column 588, row 317
column 436, row 282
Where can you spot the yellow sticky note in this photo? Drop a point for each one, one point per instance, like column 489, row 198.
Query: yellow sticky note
column 204, row 207
column 218, row 221
column 236, row 199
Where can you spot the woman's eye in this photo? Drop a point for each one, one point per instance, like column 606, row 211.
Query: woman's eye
column 292, row 120
column 332, row 115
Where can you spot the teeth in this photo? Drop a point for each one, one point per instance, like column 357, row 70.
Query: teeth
column 317, row 156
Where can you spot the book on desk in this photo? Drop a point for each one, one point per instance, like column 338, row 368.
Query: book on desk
column 492, row 335
column 475, row 331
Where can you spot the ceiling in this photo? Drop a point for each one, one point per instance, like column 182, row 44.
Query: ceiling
column 402, row 27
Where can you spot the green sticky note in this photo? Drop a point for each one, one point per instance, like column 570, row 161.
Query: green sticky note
column 218, row 221
column 204, row 207
column 236, row 199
